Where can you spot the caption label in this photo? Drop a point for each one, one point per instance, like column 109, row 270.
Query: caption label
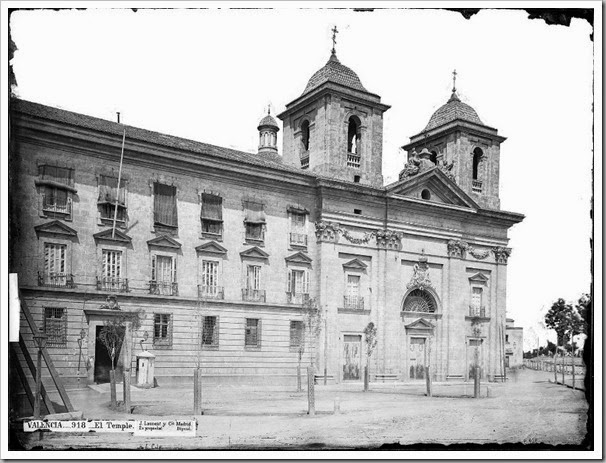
column 183, row 428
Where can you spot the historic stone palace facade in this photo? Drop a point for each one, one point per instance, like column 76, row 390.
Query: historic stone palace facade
column 224, row 250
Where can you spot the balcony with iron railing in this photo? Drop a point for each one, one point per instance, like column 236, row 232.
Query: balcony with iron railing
column 353, row 302
column 210, row 292
column 476, row 186
column 477, row 311
column 56, row 280
column 297, row 298
column 298, row 239
column 54, row 208
column 163, row 288
column 353, row 160
column 119, row 285
column 253, row 295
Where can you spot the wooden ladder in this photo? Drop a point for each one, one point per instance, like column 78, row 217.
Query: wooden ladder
column 15, row 347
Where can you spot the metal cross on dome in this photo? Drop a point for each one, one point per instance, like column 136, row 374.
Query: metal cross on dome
column 334, row 39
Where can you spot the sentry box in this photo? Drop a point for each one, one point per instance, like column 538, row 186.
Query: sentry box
column 145, row 369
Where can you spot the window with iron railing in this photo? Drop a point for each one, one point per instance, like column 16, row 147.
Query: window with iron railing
column 111, row 273
column 476, row 186
column 252, row 291
column 352, row 298
column 353, row 160
column 477, row 311
column 55, row 326
column 163, row 330
column 164, row 276
column 56, row 186
column 252, row 333
column 55, row 267
column 210, row 331
column 209, row 287
column 298, row 286
column 298, row 229
column 110, row 198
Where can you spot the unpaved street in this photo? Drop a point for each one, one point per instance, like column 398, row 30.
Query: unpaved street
column 527, row 409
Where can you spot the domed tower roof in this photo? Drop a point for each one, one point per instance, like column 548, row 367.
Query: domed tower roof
column 334, row 71
column 454, row 109
column 268, row 121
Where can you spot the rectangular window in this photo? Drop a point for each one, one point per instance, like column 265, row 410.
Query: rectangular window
column 111, row 272
column 56, row 187
column 164, row 275
column 111, row 197
column 163, row 329
column 298, row 286
column 253, row 277
column 210, row 331
column 55, row 326
column 55, row 271
column 211, row 215
column 353, row 285
column 56, row 199
column 209, row 285
column 252, row 335
column 296, row 334
column 476, row 297
column 254, row 221
column 165, row 205
column 298, row 229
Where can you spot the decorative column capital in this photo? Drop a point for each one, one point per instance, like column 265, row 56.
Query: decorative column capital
column 501, row 254
column 388, row 239
column 327, row 231
column 457, row 248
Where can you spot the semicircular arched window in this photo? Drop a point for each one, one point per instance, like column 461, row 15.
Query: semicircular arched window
column 419, row 300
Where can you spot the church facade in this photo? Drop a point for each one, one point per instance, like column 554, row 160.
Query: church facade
column 227, row 253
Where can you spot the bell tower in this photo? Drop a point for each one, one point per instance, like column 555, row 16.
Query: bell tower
column 335, row 128
column 465, row 148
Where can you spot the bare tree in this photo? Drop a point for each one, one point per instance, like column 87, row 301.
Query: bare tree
column 370, row 338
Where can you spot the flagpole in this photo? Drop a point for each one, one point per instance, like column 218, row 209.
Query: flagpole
column 118, row 189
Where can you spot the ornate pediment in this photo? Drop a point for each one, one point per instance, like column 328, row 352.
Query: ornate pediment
column 420, row 324
column 254, row 253
column 478, row 278
column 298, row 258
column 355, row 264
column 55, row 228
column 118, row 236
column 442, row 189
column 212, row 248
column 164, row 241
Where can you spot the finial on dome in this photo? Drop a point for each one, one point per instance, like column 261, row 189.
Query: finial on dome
column 334, row 40
column 454, row 81
column 268, row 106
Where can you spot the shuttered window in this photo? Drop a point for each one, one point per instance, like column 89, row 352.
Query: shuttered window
column 112, row 264
column 54, row 259
column 165, row 205
column 252, row 334
column 298, row 281
column 253, row 277
column 111, row 197
column 211, row 214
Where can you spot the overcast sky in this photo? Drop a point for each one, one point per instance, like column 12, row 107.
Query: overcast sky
column 208, row 75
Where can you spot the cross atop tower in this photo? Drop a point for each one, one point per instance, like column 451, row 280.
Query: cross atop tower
column 334, row 39
column 454, row 81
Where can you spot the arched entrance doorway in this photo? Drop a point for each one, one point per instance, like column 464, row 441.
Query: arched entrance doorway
column 418, row 304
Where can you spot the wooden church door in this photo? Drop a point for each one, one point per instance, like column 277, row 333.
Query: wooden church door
column 416, row 358
column 352, row 356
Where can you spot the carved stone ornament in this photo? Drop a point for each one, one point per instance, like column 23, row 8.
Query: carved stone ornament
column 480, row 255
column 388, row 239
column 327, row 231
column 417, row 163
column 501, row 254
column 446, row 168
column 352, row 239
column 420, row 276
column 457, row 248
